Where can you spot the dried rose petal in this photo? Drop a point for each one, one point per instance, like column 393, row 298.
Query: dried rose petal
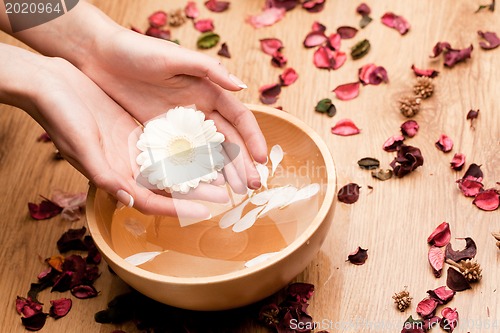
column 314, row 38
column 474, row 172
column 204, row 25
column 458, row 162
column 363, row 9
column 340, row 58
column 450, row 319
column 158, row 19
column 34, row 322
column 382, row 174
column 442, row 295
column 469, row 187
column 349, row 193
column 60, row 307
column 436, row 260
column 191, row 10
column 317, row 26
column 407, row 160
column 278, row 59
column 439, row 48
column 288, row 76
column 224, row 51
column 313, row 6
column 345, row 127
column 28, row 307
column 456, row 281
column 468, row 253
column 397, row 22
column 393, row 143
column 487, row 200
column 372, row 74
column 44, row 137
column 286, row 4
column 217, row 6
column 358, row 257
column 300, row 291
column 472, row 115
column 334, row 41
column 270, row 45
column 268, row 315
column 346, row 32
column 267, row 17
column 44, row 210
column 269, row 93
column 432, row 73
column 84, row 291
column 410, row 128
column 158, row 33
column 72, row 240
column 445, row 143
column 453, row 57
column 347, row 91
column 492, row 40
column 368, row 163
column 426, row 308
column 440, row 236
column 324, row 58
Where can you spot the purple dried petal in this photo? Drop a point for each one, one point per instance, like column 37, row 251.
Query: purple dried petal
column 349, row 193
column 278, row 59
column 472, row 115
column 345, row 127
column 313, row 6
column 372, row 74
column 445, row 143
column 487, row 200
column 44, row 210
column 474, row 172
column 358, row 257
column 286, row 4
column 300, row 291
column 35, row 322
column 28, row 307
column 453, row 57
column 440, row 236
column 407, row 160
column 393, row 143
column 270, row 45
column 346, row 32
column 456, row 281
column 363, row 9
column 269, row 93
column 288, row 77
column 410, row 128
column 60, row 307
column 72, row 240
column 469, row 252
column 491, row 38
column 63, row 282
column 439, row 48
column 432, row 73
column 426, row 308
column 217, row 6
column 314, row 38
column 458, row 162
column 84, row 291
column 396, row 22
column 442, row 295
column 347, row 91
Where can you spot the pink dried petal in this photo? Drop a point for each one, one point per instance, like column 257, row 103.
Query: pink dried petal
column 84, row 291
column 267, row 17
column 347, row 91
column 426, row 308
column 364, row 73
column 217, row 6
column 224, row 51
column 158, row 19
column 204, row 25
column 313, row 6
column 345, row 127
column 44, row 210
column 442, row 295
column 66, row 199
column 314, row 38
column 158, row 33
column 269, row 93
column 487, row 200
column 436, row 258
column 27, row 307
column 191, row 10
column 445, row 143
column 396, row 22
column 458, row 162
column 317, row 26
column 432, row 73
column 60, row 307
column 270, row 45
column 450, row 319
column 409, row 128
column 358, row 257
column 278, row 59
column 363, row 9
column 323, row 58
column 492, row 40
column 346, row 32
column 453, row 57
column 340, row 58
column 372, row 74
column 334, row 41
column 288, row 76
column 393, row 143
column 44, row 137
column 440, row 236
column 469, row 187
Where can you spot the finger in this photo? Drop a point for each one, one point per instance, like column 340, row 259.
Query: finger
column 205, row 192
column 235, row 176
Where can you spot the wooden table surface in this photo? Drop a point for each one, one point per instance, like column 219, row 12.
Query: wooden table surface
column 392, row 220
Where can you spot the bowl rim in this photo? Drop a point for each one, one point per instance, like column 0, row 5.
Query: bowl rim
column 281, row 255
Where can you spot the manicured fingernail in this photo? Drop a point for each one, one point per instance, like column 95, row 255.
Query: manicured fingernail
column 125, row 198
column 237, row 81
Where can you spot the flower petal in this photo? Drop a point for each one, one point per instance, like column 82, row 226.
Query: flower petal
column 409, row 128
column 60, row 307
column 440, row 236
column 270, row 45
column 278, row 59
column 313, row 6
column 44, row 210
column 84, row 291
column 469, row 252
column 349, row 193
column 396, row 22
column 358, row 257
column 407, row 160
column 432, row 73
column 269, row 93
column 487, row 200
column 315, row 38
column 158, row 19
column 346, row 32
column 324, row 58
column 363, row 9
column 191, row 10
column 442, row 295
column 469, row 187
column 450, row 319
column 491, row 38
column 453, row 57
column 288, row 77
column 458, row 162
column 334, row 41
column 158, row 33
column 436, row 258
column 456, row 281
column 267, row 17
column 204, row 25
column 34, row 322
column 276, row 156
column 217, row 6
column 393, row 143
column 426, row 308
column 224, row 51
column 347, row 91
column 345, row 127
column 445, row 143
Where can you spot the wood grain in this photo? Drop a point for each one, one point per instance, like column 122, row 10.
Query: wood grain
column 393, row 220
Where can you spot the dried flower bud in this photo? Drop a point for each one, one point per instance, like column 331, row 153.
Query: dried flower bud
column 409, row 106
column 424, row 87
column 402, row 299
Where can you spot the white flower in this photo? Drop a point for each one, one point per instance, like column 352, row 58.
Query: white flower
column 179, row 150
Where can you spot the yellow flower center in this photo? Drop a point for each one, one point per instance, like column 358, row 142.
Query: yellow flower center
column 181, row 150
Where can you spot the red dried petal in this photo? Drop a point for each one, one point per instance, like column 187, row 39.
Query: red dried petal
column 158, row 33
column 286, row 4
column 314, row 38
column 492, row 40
column 60, row 307
column 224, row 51
column 432, row 73
column 334, row 41
column 323, row 58
column 372, row 74
column 442, row 295
column 349, row 193
column 396, row 22
column 204, row 25
column 267, row 17
column 270, row 45
column 426, row 308
column 487, row 200
column 269, row 93
column 345, row 127
column 158, row 19
column 27, row 307
column 364, row 73
column 340, row 58
column 84, row 291
column 288, row 76
column 44, row 137
column 358, row 257
column 436, row 258
column 450, row 319
column 347, row 91
column 278, row 59
column 407, row 160
column 300, row 291
column 313, row 6
column 440, row 236
column 191, row 10
column 393, row 143
column 410, row 128
column 363, row 9
column 217, row 6
column 469, row 252
column 44, row 210
column 453, row 57
column 458, row 161
column 317, row 26
column 35, row 322
column 346, row 32
column 456, row 281
column 445, row 143
column 469, row 187
column 474, row 172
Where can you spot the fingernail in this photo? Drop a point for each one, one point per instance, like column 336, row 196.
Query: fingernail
column 125, row 198
column 237, row 81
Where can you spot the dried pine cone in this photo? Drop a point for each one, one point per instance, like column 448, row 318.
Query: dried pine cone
column 409, row 106
column 176, row 18
column 471, row 270
column 402, row 299
column 424, row 87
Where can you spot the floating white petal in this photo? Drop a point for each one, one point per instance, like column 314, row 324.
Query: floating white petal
column 279, row 198
column 263, row 197
column 233, row 216
column 142, row 257
column 263, row 173
column 248, row 220
column 276, row 156
column 259, row 259
column 304, row 193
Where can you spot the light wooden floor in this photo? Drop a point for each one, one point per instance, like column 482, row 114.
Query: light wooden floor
column 393, row 220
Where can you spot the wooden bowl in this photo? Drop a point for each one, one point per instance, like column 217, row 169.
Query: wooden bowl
column 248, row 285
